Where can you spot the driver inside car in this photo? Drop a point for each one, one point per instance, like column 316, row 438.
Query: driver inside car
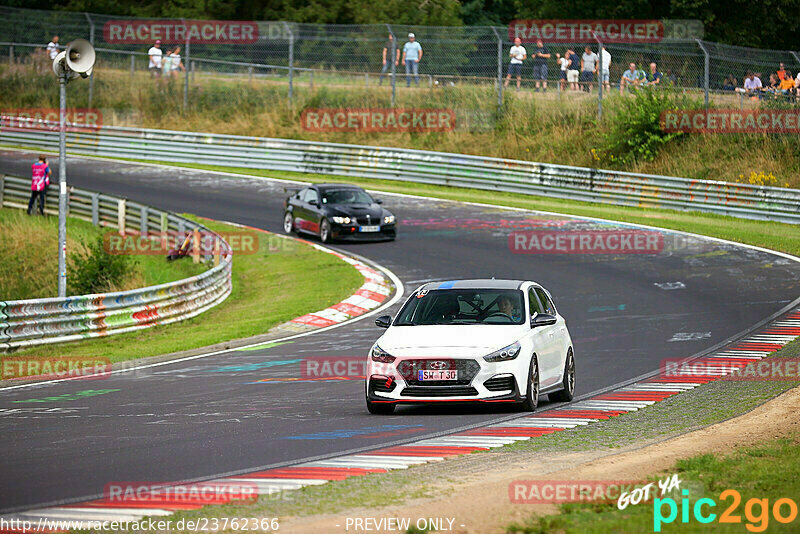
column 505, row 306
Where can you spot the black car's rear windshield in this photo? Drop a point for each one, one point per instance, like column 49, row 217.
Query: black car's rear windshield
column 346, row 196
column 463, row 306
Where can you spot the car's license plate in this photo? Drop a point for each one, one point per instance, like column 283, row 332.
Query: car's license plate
column 438, row 375
column 369, row 228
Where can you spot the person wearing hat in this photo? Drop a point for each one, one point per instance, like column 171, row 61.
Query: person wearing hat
column 412, row 54
column 155, row 60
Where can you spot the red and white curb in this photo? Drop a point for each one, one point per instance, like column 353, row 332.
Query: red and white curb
column 370, row 295
column 614, row 403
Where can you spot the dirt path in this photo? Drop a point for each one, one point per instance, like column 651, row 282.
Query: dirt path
column 478, row 499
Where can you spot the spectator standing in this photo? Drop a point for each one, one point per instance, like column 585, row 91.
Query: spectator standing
column 387, row 60
column 654, row 76
column 588, row 69
column 166, row 62
column 631, row 77
column 574, row 63
column 40, row 179
column 518, row 55
column 412, row 54
column 563, row 62
column 781, row 72
column 752, row 85
column 155, row 55
column 540, row 66
column 605, row 74
column 774, row 83
column 175, row 63
column 52, row 48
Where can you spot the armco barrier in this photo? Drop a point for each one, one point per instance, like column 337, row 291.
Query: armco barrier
column 25, row 323
column 440, row 168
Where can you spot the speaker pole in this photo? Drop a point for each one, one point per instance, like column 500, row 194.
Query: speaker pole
column 62, row 185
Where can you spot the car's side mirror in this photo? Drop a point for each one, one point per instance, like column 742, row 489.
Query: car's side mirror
column 313, row 203
column 378, row 201
column 542, row 319
column 384, row 321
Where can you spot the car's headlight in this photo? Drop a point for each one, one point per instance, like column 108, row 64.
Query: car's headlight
column 379, row 355
column 506, row 353
column 389, row 219
column 341, row 220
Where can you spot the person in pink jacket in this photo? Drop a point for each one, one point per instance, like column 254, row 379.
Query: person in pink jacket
column 40, row 173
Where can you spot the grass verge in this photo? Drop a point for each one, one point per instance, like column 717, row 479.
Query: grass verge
column 30, row 265
column 282, row 280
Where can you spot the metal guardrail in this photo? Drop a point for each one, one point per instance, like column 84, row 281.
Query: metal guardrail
column 26, row 323
column 439, row 168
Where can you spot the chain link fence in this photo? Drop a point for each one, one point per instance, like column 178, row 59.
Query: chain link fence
column 313, row 55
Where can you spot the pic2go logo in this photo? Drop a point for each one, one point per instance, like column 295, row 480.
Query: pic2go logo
column 756, row 511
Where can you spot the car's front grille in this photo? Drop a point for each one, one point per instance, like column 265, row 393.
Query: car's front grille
column 382, row 384
column 500, row 383
column 452, row 391
column 467, row 369
column 363, row 221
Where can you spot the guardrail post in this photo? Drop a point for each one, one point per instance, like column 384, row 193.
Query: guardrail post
column 195, row 245
column 499, row 70
column 181, row 227
column 133, row 66
column 143, row 220
column 96, row 209
column 394, row 64
column 2, row 187
column 705, row 70
column 121, row 216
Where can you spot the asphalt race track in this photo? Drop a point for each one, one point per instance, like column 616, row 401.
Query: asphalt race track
column 215, row 415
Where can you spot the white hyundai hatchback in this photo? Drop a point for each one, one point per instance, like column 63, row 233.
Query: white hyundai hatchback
column 472, row 340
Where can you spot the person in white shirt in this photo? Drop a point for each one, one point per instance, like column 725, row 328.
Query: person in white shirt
column 52, row 48
column 155, row 60
column 518, row 55
column 604, row 75
column 563, row 62
column 175, row 62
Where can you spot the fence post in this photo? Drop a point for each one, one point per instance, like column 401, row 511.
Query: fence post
column 91, row 41
column 311, row 80
column 366, row 79
column 795, row 56
column 10, row 54
column 250, row 73
column 121, row 216
column 2, row 187
column 192, row 69
column 394, row 64
column 186, row 73
column 133, row 66
column 499, row 70
column 291, row 62
column 705, row 69
column 96, row 209
column 600, row 77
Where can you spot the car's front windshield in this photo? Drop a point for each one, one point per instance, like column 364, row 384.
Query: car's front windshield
column 463, row 306
column 346, row 196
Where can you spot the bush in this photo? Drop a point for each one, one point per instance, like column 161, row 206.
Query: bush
column 635, row 132
column 94, row 270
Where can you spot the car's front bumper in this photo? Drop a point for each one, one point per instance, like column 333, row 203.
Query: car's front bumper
column 349, row 232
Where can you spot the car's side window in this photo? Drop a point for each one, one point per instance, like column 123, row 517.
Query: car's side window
column 311, row 196
column 534, row 302
column 301, row 195
column 549, row 307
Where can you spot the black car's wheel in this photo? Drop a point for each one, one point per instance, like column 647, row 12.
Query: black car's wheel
column 380, row 408
column 325, row 231
column 566, row 394
column 532, row 396
column 288, row 222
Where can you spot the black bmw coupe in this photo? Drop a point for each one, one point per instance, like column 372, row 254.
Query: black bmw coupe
column 338, row 212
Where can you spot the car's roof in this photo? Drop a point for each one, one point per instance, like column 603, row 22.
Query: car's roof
column 486, row 283
column 329, row 187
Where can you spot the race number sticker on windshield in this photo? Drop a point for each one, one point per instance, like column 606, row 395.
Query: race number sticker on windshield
column 422, row 293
